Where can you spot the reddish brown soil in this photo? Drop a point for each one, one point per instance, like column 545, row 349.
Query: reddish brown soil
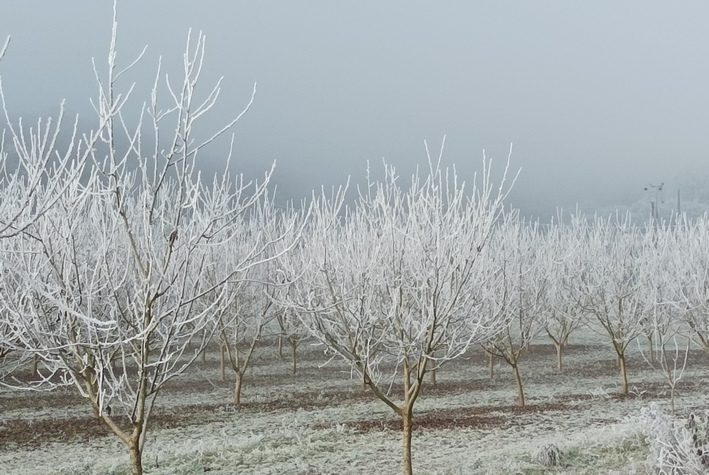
column 486, row 417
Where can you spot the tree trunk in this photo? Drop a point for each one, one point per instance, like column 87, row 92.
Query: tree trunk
column 623, row 374
column 407, row 418
column 520, row 390
column 652, row 348
column 237, row 389
column 136, row 456
column 35, row 363
column 204, row 355
column 672, row 399
column 280, row 348
column 491, row 366
column 433, row 377
column 294, row 356
column 222, row 365
column 559, row 365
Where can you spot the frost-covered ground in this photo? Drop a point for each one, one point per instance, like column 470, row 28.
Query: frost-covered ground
column 321, row 421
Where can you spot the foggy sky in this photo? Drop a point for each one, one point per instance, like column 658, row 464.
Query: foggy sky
column 599, row 98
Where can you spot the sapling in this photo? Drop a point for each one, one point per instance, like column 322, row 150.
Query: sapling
column 661, row 269
column 673, row 364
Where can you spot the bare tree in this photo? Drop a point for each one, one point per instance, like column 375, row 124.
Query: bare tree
column 291, row 330
column 290, row 325
column 252, row 310
column 564, row 315
column 34, row 170
column 692, row 273
column 35, row 173
column 611, row 283
column 521, row 295
column 663, row 271
column 392, row 285
column 112, row 294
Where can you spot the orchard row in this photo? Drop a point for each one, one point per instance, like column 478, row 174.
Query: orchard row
column 120, row 263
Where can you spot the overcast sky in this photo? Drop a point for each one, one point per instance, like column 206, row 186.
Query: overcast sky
column 599, row 98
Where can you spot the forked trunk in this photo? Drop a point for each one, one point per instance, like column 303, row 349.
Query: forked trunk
column 405, row 411
column 407, row 418
column 518, row 381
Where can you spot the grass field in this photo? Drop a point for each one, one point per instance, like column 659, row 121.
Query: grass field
column 321, row 421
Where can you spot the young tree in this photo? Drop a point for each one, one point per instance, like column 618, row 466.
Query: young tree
column 393, row 284
column 290, row 327
column 291, row 330
column 611, row 283
column 253, row 296
column 526, row 263
column 250, row 311
column 111, row 292
column 564, row 315
column 663, row 270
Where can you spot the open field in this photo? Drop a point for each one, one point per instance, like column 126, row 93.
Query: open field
column 321, row 421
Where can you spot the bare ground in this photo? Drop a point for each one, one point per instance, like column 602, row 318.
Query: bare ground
column 465, row 408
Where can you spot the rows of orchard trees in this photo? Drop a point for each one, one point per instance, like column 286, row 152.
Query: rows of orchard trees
column 624, row 281
column 120, row 263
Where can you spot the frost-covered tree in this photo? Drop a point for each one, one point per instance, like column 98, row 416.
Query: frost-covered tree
column 104, row 287
column 564, row 315
column 291, row 330
column 34, row 170
column 692, row 273
column 393, row 284
column 668, row 349
column 35, row 173
column 269, row 233
column 290, row 326
column 612, row 283
column 521, row 295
